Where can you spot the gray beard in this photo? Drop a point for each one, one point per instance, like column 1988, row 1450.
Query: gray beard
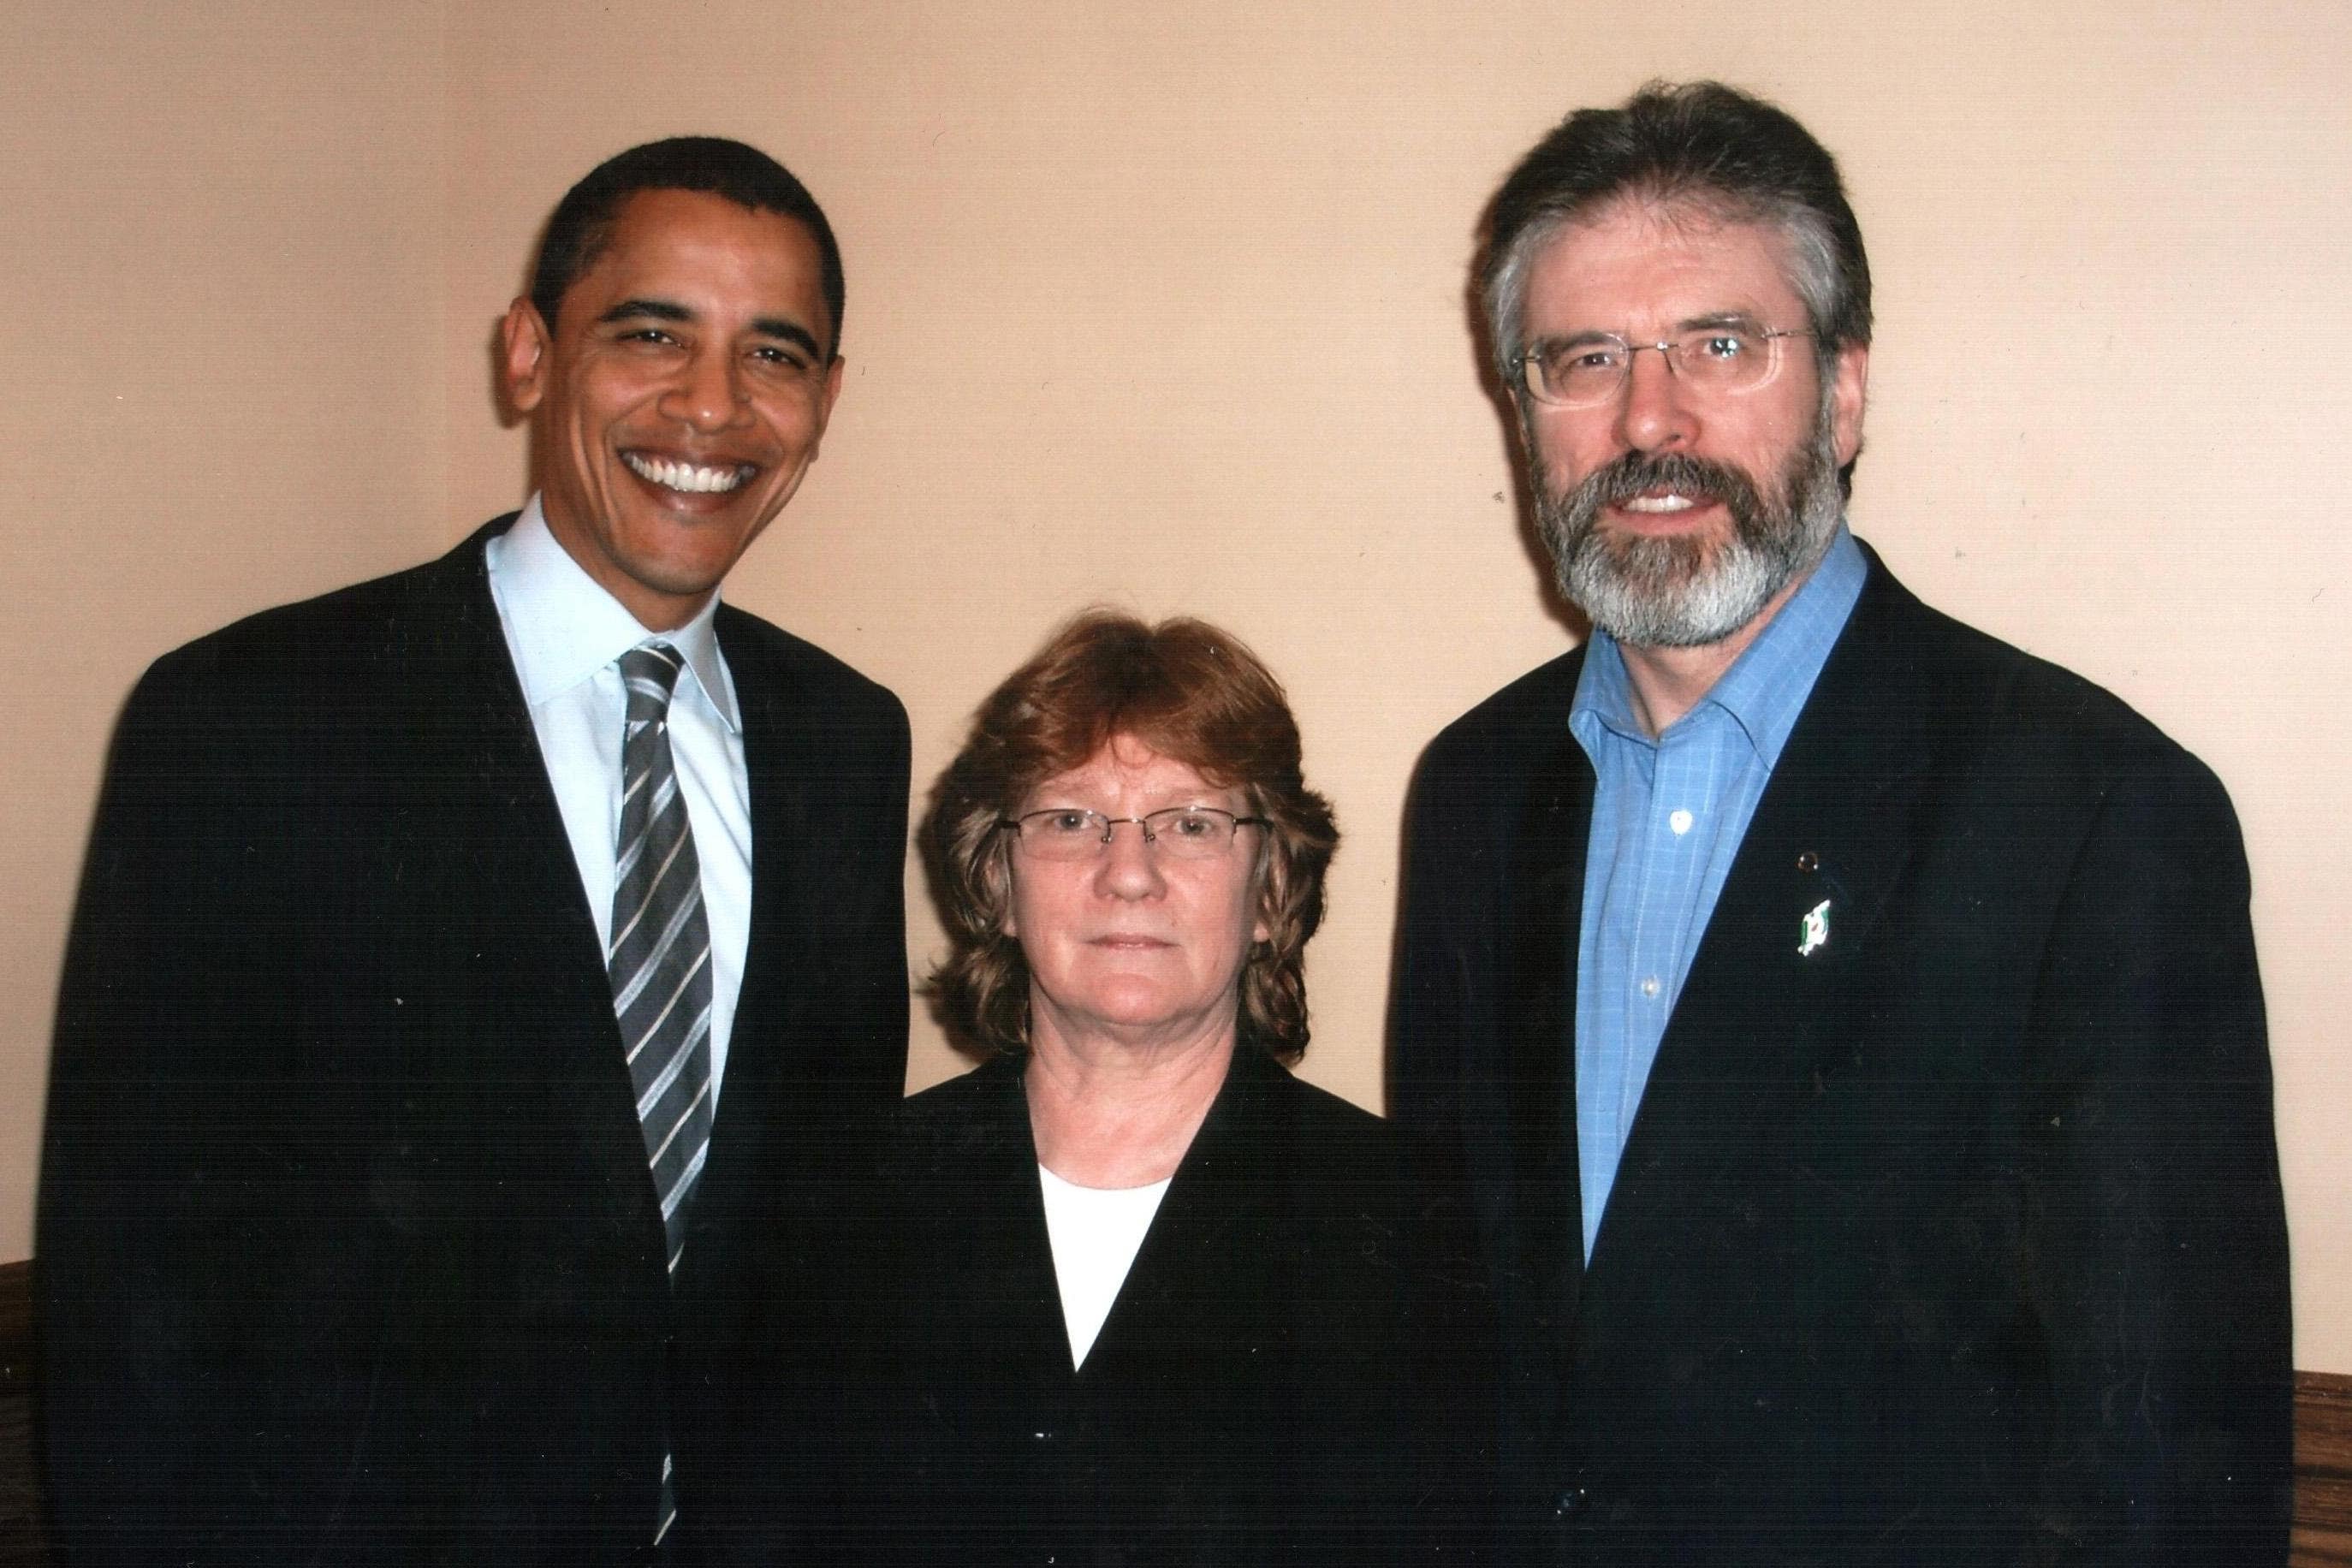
column 1690, row 592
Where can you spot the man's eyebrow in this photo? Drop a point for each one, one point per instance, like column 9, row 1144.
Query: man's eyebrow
column 1746, row 319
column 1582, row 338
column 659, row 310
column 782, row 328
column 1717, row 319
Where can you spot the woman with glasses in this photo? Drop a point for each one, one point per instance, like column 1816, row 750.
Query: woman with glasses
column 1131, row 1292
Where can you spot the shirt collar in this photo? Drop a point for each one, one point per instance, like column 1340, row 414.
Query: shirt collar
column 564, row 626
column 1766, row 687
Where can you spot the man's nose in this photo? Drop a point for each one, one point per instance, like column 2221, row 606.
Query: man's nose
column 1655, row 414
column 709, row 394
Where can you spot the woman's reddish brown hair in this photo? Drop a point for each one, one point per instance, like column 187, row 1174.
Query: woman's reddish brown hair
column 1190, row 692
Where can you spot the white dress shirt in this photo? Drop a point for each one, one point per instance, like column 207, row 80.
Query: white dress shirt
column 566, row 633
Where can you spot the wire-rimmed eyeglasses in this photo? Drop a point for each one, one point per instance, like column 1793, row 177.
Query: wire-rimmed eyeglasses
column 1591, row 368
column 1181, row 832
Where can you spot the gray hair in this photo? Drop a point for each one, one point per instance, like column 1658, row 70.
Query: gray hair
column 1701, row 147
column 1812, row 262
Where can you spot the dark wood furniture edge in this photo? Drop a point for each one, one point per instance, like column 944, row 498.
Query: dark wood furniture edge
column 2322, row 1469
column 20, row 1492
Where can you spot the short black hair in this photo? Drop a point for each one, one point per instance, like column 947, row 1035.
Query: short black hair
column 583, row 221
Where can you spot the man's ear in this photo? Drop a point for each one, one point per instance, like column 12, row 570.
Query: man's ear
column 524, row 339
column 826, row 396
column 1847, row 399
column 832, row 392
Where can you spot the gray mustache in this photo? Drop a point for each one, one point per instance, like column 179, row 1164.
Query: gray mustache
column 1637, row 472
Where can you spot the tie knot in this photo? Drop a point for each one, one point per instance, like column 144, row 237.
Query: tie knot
column 650, row 675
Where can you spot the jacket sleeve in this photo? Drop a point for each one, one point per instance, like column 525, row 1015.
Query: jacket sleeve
column 187, row 1321
column 1441, row 1001
column 2155, row 1239
column 873, row 989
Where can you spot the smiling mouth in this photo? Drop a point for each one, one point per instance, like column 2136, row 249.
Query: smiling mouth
column 690, row 478
column 1670, row 501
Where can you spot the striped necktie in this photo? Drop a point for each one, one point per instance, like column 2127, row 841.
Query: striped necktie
column 660, row 959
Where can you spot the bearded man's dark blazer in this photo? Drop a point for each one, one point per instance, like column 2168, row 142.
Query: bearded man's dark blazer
column 1954, row 1235
column 347, row 1245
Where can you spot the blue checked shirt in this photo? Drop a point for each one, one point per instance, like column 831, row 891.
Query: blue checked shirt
column 1667, row 819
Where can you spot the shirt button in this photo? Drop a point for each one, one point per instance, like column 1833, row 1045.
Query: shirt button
column 1650, row 986
column 1571, row 1502
column 1680, row 822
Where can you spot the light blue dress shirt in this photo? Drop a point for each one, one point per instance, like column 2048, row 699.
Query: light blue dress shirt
column 1668, row 816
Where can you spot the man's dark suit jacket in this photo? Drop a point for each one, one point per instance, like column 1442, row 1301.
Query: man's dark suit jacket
column 1277, row 1380
column 1959, row 1238
column 346, row 1244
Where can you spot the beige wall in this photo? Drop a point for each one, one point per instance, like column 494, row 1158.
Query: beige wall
column 220, row 236
column 1119, row 273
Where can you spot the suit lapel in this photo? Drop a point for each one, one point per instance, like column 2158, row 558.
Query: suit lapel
column 1540, row 932
column 776, row 772
column 1009, row 1251
column 1830, row 839
column 1226, row 1179
column 538, row 923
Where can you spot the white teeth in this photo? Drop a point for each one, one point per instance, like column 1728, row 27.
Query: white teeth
column 1660, row 503
column 684, row 476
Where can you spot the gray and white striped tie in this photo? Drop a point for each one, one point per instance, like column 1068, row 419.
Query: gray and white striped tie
column 660, row 953
column 660, row 961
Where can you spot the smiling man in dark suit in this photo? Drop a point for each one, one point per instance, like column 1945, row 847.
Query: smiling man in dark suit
column 466, row 960
column 1845, row 1028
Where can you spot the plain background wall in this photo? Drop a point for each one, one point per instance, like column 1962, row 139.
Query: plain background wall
column 220, row 387
column 1122, row 276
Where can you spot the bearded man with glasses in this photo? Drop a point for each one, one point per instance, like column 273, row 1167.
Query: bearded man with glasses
column 1844, row 1028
